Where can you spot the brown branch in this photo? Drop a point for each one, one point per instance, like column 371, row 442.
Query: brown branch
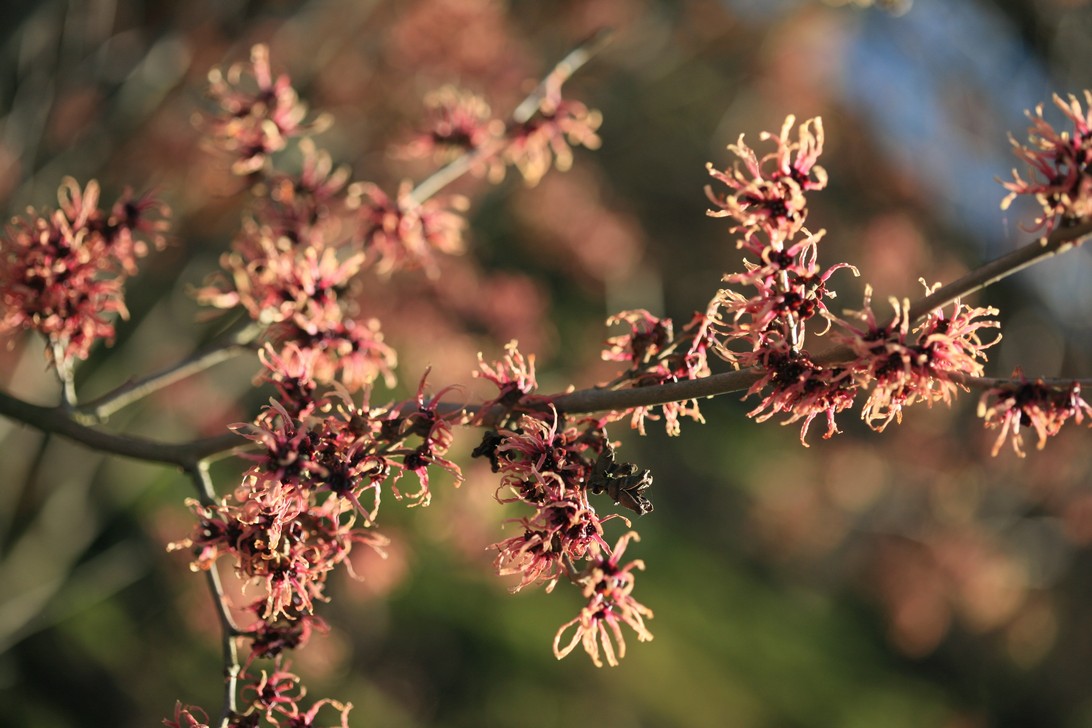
column 57, row 420
column 1062, row 240
column 99, row 409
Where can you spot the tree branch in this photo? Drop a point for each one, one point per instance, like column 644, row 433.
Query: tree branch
column 1062, row 240
column 98, row 410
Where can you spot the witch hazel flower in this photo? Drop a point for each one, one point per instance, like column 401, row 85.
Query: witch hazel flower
column 401, row 233
column 457, row 122
column 1058, row 162
column 258, row 112
column 608, row 587
column 789, row 289
column 656, row 355
column 542, row 465
column 62, row 273
column 1016, row 407
column 904, row 366
column 795, row 386
column 546, row 139
column 766, row 195
column 514, row 377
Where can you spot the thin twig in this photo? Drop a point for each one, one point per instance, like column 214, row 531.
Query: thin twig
column 1060, row 241
column 98, row 410
column 228, row 629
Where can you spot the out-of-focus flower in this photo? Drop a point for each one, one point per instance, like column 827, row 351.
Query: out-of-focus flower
column 1060, row 179
column 257, row 112
column 1013, row 407
column 402, row 233
column 546, row 138
column 458, row 122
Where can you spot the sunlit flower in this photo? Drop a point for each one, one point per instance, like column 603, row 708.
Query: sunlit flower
column 904, row 366
column 656, row 355
column 457, row 122
column 800, row 389
column 1059, row 162
column 1017, row 406
column 257, row 111
column 546, row 138
column 767, row 194
column 187, row 716
column 608, row 588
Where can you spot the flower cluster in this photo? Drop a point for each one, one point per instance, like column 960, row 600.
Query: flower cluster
column 554, row 468
column 403, row 233
column 457, row 122
column 1016, row 406
column 904, row 365
column 318, row 467
column 270, row 696
column 796, row 386
column 545, row 138
column 767, row 196
column 654, row 354
column 1060, row 178
column 767, row 205
column 62, row 273
column 545, row 467
column 900, row 362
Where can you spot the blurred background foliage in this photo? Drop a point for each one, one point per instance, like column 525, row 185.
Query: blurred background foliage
column 903, row 579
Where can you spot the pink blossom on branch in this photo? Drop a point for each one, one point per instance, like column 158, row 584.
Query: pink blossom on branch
column 608, row 588
column 905, row 365
column 1015, row 407
column 655, row 355
column 767, row 195
column 62, row 273
column 1058, row 161
column 258, row 112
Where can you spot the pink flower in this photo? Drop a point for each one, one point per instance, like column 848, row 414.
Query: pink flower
column 257, row 111
column 402, row 233
column 767, row 195
column 1013, row 407
column 905, row 366
column 544, row 140
column 514, row 376
column 608, row 588
column 801, row 389
column 1059, row 179
column 655, row 356
column 63, row 273
column 187, row 716
column 458, row 122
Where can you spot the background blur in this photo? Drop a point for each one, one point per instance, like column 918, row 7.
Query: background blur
column 904, row 579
